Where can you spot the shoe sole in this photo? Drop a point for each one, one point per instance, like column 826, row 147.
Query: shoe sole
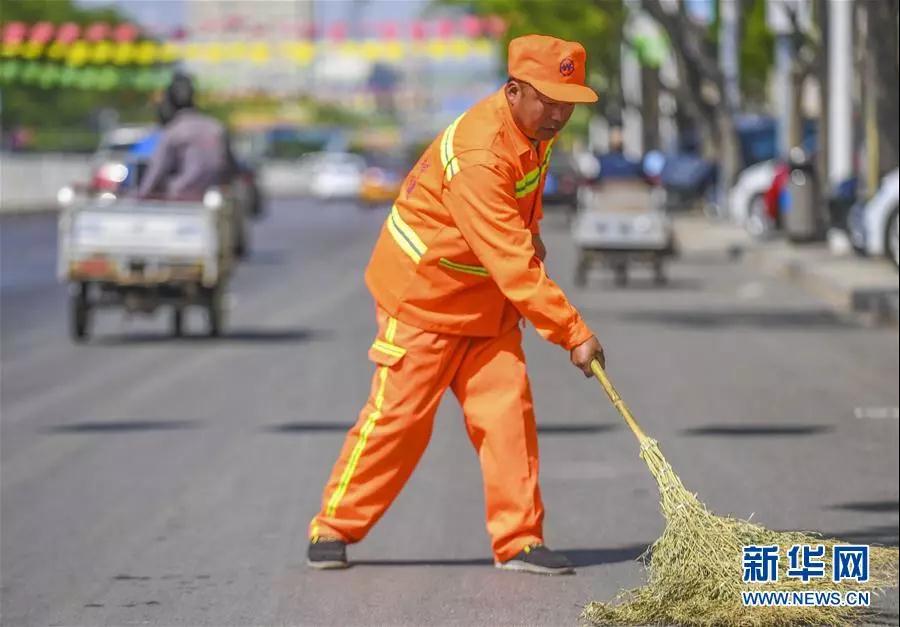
column 327, row 564
column 525, row 567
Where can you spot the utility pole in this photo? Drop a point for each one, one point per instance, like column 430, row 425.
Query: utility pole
column 730, row 66
column 784, row 63
column 823, row 131
column 840, row 93
column 728, row 52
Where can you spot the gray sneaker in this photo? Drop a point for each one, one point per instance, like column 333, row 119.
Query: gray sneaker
column 536, row 558
column 326, row 554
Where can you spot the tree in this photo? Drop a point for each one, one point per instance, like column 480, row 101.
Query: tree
column 881, row 70
column 597, row 24
column 700, row 81
column 59, row 108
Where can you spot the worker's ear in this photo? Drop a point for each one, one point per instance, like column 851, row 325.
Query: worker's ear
column 513, row 91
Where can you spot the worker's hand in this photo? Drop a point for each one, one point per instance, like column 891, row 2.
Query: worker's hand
column 540, row 251
column 583, row 354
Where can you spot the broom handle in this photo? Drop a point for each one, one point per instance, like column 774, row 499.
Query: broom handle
column 617, row 401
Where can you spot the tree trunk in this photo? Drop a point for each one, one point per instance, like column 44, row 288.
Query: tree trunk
column 881, row 50
column 650, row 107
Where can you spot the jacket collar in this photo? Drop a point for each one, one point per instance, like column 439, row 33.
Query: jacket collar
column 521, row 144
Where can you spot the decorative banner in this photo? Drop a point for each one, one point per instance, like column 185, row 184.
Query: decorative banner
column 238, row 27
column 100, row 56
column 105, row 52
column 50, row 76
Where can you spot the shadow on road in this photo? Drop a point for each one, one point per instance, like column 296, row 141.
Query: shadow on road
column 879, row 616
column 576, row 429
column 123, row 426
column 642, row 283
column 597, row 557
column 879, row 534
column 266, row 258
column 757, row 430
column 341, row 427
column 580, row 558
column 813, row 319
column 248, row 336
column 869, row 506
column 309, row 427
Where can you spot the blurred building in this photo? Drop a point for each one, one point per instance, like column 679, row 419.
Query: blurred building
column 248, row 34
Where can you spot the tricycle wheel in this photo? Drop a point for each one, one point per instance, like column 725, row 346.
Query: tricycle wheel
column 581, row 270
column 215, row 311
column 241, row 240
column 620, row 274
column 178, row 321
column 80, row 315
column 659, row 274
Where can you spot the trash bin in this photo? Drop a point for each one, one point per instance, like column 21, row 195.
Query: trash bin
column 802, row 218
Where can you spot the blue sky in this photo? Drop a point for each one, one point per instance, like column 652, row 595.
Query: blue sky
column 172, row 12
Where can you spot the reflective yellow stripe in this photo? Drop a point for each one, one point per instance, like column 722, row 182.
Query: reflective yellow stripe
column 405, row 237
column 462, row 267
column 372, row 418
column 389, row 349
column 530, row 181
column 448, row 158
column 367, row 429
column 391, row 330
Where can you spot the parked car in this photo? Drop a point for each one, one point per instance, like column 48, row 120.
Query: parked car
column 381, row 180
column 873, row 224
column 562, row 182
column 109, row 165
column 688, row 180
column 331, row 175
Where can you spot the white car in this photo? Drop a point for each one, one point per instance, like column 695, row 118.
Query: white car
column 873, row 224
column 745, row 200
column 328, row 175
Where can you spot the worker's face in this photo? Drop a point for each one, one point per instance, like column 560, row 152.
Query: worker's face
column 538, row 116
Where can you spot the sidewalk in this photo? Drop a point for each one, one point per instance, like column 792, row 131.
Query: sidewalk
column 866, row 288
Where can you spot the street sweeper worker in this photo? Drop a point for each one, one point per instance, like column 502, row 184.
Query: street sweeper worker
column 456, row 268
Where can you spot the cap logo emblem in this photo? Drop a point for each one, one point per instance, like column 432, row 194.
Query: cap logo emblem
column 566, row 67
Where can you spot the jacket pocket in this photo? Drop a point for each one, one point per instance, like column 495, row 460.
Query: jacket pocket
column 385, row 353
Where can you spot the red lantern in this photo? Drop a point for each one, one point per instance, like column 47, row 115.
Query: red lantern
column 42, row 32
column 14, row 33
column 471, row 26
column 338, row 31
column 234, row 22
column 495, row 26
column 417, row 30
column 68, row 32
column 125, row 32
column 445, row 28
column 388, row 30
column 97, row 31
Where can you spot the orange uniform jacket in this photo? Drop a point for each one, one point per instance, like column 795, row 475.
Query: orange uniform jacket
column 456, row 255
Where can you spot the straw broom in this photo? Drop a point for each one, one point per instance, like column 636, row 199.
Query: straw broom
column 695, row 568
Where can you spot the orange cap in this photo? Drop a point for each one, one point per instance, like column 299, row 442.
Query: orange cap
column 554, row 67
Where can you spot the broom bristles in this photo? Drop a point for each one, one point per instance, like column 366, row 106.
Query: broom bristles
column 694, row 568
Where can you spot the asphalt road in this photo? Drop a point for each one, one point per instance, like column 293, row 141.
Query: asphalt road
column 147, row 480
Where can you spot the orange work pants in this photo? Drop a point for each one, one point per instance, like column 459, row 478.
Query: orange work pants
column 414, row 368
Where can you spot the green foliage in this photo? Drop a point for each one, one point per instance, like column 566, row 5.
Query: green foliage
column 62, row 117
column 597, row 24
column 57, row 12
column 757, row 53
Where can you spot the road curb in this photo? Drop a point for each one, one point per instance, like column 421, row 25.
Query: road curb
column 873, row 305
